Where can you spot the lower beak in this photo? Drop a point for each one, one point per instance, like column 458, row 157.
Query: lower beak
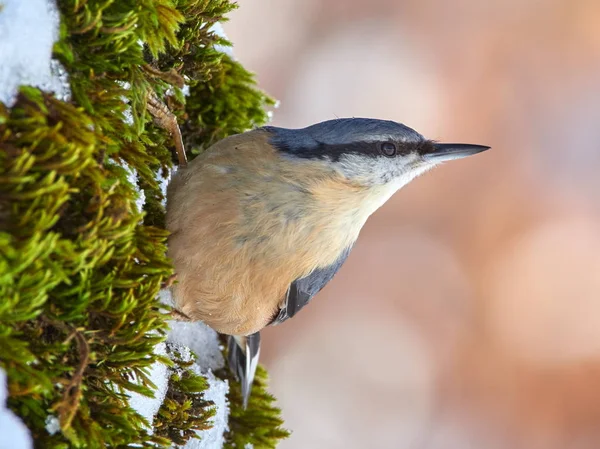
column 449, row 151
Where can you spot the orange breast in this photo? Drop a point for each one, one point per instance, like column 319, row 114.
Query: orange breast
column 245, row 223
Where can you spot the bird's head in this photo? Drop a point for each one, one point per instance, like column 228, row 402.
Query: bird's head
column 374, row 157
column 369, row 152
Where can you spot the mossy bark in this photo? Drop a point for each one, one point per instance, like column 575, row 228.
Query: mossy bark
column 80, row 266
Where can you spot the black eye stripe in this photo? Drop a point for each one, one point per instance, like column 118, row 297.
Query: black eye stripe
column 336, row 152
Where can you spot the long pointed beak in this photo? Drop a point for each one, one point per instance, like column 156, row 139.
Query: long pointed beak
column 449, row 151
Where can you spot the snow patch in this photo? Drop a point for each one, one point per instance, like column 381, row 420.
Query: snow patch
column 28, row 30
column 58, row 82
column 15, row 434
column 159, row 375
column 187, row 338
column 163, row 183
column 216, row 392
column 52, row 424
column 202, row 341
column 217, row 28
column 132, row 177
column 197, row 336
column 128, row 116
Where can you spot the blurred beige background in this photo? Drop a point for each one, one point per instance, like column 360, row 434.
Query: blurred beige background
column 468, row 315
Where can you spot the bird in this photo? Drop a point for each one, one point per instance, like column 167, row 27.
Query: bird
column 261, row 221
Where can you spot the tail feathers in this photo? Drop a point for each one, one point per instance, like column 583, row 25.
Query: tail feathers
column 243, row 352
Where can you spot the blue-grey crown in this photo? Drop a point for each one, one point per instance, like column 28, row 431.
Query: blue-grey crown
column 334, row 138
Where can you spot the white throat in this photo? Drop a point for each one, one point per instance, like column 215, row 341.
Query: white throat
column 379, row 194
column 373, row 198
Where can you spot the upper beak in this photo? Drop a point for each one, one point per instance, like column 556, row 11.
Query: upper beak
column 449, row 151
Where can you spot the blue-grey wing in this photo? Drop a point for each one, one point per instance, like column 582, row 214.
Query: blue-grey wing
column 302, row 290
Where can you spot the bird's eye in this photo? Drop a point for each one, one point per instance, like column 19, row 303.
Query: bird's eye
column 388, row 149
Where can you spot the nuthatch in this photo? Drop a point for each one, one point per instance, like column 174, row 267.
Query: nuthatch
column 261, row 221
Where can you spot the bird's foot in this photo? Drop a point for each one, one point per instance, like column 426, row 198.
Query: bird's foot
column 164, row 118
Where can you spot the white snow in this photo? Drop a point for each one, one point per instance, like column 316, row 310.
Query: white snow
column 57, row 82
column 127, row 112
column 216, row 392
column 217, row 28
column 159, row 375
column 164, row 182
column 128, row 116
column 14, row 434
column 201, row 340
column 52, row 424
column 132, row 177
column 28, row 30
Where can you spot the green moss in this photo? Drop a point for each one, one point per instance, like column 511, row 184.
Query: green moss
column 184, row 410
column 260, row 424
column 225, row 104
column 77, row 271
column 80, row 266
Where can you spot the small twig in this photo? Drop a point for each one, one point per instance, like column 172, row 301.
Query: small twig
column 69, row 405
column 172, row 76
column 109, row 30
column 88, row 27
column 170, row 281
column 180, row 316
column 164, row 118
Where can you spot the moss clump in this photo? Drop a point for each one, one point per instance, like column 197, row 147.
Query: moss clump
column 80, row 265
column 234, row 106
column 184, row 410
column 260, row 424
column 80, row 277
